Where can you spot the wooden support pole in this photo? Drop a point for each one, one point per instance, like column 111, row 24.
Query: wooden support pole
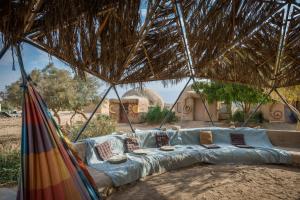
column 91, row 116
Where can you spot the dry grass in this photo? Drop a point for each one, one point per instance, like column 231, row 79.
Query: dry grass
column 9, row 160
column 10, row 133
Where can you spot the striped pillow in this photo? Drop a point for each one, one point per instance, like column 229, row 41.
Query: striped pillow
column 131, row 144
column 104, row 150
column 162, row 139
column 237, row 139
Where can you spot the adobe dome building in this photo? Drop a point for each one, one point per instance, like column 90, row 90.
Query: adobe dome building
column 190, row 107
column 136, row 102
column 153, row 97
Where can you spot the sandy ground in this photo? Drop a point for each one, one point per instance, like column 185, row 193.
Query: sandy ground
column 12, row 126
column 210, row 182
column 218, row 182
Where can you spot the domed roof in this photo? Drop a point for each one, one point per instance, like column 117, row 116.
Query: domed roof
column 154, row 98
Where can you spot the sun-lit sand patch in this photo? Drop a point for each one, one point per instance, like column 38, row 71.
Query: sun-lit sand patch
column 216, row 182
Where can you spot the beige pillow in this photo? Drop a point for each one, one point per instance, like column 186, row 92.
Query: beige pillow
column 206, row 137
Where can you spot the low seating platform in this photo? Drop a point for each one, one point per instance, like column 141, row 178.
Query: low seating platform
column 268, row 149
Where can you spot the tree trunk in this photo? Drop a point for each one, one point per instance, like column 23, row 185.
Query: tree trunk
column 228, row 108
column 73, row 115
column 57, row 116
column 82, row 114
column 246, row 109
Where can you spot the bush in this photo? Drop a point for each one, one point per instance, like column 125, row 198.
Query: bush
column 239, row 116
column 100, row 125
column 156, row 115
column 258, row 117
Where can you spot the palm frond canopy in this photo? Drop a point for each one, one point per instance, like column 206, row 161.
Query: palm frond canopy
column 247, row 41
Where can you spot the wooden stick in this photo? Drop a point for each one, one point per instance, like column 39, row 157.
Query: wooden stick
column 149, row 61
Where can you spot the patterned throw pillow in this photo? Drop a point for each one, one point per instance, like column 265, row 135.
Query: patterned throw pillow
column 206, row 137
column 237, row 139
column 104, row 150
column 131, row 144
column 162, row 139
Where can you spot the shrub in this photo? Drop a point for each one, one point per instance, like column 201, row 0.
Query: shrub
column 258, row 117
column 156, row 115
column 100, row 125
column 239, row 116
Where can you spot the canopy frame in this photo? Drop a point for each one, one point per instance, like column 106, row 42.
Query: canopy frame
column 93, row 113
column 30, row 17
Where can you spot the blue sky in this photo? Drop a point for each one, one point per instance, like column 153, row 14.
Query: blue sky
column 36, row 59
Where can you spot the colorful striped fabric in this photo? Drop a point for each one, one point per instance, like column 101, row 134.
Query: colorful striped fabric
column 50, row 170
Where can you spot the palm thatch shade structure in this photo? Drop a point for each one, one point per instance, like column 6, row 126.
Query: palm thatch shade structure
column 254, row 42
column 247, row 41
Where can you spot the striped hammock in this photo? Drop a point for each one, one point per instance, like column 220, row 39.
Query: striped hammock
column 50, row 169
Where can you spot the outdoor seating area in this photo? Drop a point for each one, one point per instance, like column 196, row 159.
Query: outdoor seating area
column 130, row 43
column 187, row 152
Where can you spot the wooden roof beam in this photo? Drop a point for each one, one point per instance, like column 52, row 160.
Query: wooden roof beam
column 37, row 29
column 29, row 18
column 143, row 32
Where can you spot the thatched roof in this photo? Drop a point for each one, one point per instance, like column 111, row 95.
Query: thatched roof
column 248, row 41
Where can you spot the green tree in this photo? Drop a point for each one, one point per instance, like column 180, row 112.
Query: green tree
column 13, row 93
column 291, row 94
column 56, row 87
column 59, row 90
column 85, row 93
column 242, row 95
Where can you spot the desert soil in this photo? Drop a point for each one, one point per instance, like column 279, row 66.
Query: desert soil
column 218, row 182
column 11, row 127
